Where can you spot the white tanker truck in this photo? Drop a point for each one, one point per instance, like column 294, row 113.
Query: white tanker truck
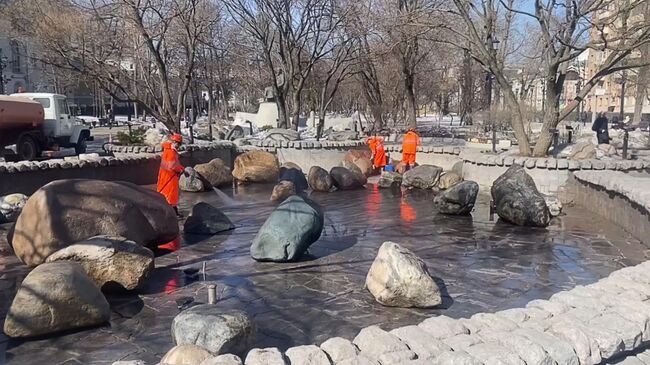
column 36, row 122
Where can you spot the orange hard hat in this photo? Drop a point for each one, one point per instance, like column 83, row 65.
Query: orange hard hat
column 176, row 138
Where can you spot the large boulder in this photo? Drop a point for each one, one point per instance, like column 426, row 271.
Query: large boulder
column 583, row 151
column 192, row 182
column 554, row 205
column 215, row 173
column 449, row 179
column 517, row 199
column 64, row 212
column 109, row 260
column 398, row 278
column 289, row 231
column 296, row 177
column 458, row 200
column 206, row 219
column 390, row 179
column 422, row 177
column 283, row 190
column 281, row 134
column 256, row 166
column 185, row 355
column 289, row 165
column 358, row 159
column 10, row 207
column 345, row 179
column 351, row 166
column 605, row 150
column 319, row 179
column 216, row 330
column 55, row 297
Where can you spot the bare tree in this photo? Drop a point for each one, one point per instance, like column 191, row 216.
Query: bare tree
column 293, row 36
column 564, row 28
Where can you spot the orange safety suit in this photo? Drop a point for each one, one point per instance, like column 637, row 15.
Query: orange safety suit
column 380, row 154
column 409, row 147
column 169, row 174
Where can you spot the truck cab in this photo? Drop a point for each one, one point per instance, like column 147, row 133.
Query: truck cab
column 59, row 129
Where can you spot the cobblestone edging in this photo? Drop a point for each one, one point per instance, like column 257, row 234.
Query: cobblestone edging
column 600, row 323
column 75, row 163
column 188, row 147
column 550, row 163
column 270, row 145
column 633, row 187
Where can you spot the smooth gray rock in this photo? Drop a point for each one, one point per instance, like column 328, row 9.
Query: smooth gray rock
column 420, row 341
column 559, row 350
column 266, row 356
column 398, row 278
column 55, row 297
column 192, row 182
column 373, row 341
column 422, row 177
column 455, row 358
column 458, row 200
column 289, row 231
column 227, row 359
column 359, row 360
column 206, row 219
column 214, row 173
column 584, row 345
column 462, row 341
column 517, row 199
column 108, row 260
column 307, row 355
column 319, row 179
column 346, row 179
column 492, row 353
column 339, row 349
column 449, row 179
column 10, row 207
column 443, row 327
column 215, row 330
column 390, row 179
column 527, row 350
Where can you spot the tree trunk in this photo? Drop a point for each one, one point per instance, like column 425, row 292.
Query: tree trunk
column 467, row 90
column 517, row 121
column 409, row 101
column 641, row 86
column 295, row 111
column 283, row 117
column 551, row 116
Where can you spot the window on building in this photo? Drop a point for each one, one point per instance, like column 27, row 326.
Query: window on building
column 16, row 66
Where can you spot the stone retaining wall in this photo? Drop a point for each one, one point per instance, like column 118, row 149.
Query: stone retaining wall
column 190, row 154
column 602, row 323
column 619, row 197
column 550, row 174
column 28, row 176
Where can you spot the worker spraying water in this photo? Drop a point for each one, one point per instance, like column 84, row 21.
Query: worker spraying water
column 170, row 171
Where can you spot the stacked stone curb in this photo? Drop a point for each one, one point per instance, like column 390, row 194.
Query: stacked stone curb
column 607, row 322
column 550, row 163
column 75, row 163
column 633, row 187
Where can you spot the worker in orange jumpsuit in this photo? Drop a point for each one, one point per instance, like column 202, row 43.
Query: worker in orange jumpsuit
column 409, row 148
column 170, row 171
column 376, row 145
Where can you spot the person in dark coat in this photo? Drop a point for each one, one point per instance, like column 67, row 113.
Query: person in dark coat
column 600, row 127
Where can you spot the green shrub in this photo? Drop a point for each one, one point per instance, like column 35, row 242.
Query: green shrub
column 136, row 137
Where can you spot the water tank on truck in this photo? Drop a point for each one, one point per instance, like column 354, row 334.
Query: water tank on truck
column 35, row 122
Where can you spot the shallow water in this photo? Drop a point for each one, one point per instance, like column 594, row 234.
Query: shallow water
column 486, row 265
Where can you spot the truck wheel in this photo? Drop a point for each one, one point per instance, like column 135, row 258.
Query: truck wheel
column 81, row 146
column 26, row 148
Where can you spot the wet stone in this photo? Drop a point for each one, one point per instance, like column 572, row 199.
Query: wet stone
column 266, row 356
column 307, row 355
column 443, row 327
column 373, row 341
column 339, row 349
column 420, row 341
